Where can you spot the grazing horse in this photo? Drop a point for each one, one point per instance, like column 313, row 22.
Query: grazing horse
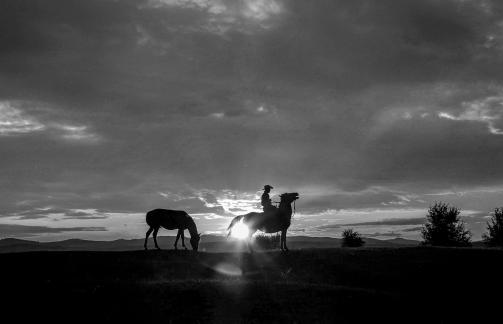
column 269, row 222
column 170, row 220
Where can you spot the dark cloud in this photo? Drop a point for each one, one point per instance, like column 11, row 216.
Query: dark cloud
column 369, row 198
column 84, row 215
column 96, row 205
column 8, row 230
column 413, row 229
column 392, row 222
column 66, row 213
column 368, row 104
column 474, row 217
column 385, row 234
column 384, row 222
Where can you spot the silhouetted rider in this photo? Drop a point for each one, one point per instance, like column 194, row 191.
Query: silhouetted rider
column 266, row 200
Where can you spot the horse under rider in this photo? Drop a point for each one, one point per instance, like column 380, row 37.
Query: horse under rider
column 266, row 200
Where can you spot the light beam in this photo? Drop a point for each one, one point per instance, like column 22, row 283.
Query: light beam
column 240, row 230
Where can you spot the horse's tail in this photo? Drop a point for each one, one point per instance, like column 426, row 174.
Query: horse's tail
column 233, row 222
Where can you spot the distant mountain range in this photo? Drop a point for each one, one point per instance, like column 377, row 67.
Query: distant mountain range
column 209, row 243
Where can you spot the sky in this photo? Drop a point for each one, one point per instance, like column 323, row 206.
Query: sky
column 371, row 110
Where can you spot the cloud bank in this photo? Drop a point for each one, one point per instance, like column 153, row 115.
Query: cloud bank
column 355, row 104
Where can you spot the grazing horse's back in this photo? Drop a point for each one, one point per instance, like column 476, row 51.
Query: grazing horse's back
column 169, row 219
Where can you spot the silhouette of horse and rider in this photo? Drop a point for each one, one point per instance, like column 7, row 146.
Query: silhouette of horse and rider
column 271, row 220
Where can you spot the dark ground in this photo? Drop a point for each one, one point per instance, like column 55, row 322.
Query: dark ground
column 429, row 285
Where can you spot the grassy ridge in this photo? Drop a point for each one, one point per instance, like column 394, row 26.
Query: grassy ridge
column 343, row 285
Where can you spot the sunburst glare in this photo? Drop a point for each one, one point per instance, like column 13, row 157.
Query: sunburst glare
column 240, row 230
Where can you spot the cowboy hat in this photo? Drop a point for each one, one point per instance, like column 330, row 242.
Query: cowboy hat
column 268, row 187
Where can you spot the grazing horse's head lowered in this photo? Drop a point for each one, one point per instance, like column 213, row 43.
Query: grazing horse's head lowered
column 194, row 241
column 172, row 219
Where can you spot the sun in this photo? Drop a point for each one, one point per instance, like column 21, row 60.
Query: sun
column 240, row 230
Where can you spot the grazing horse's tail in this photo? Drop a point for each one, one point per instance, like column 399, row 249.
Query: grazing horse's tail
column 233, row 222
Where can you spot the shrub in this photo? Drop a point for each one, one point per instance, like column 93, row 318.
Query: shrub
column 351, row 238
column 495, row 229
column 444, row 227
column 267, row 242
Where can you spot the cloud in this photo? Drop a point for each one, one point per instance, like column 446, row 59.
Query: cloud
column 488, row 111
column 392, row 222
column 76, row 133
column 223, row 16
column 413, row 229
column 314, row 201
column 213, row 216
column 357, row 105
column 25, row 231
column 213, row 6
column 13, row 121
column 385, row 234
column 384, row 222
column 66, row 213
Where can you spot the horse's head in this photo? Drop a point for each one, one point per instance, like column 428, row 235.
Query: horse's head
column 194, row 241
column 289, row 197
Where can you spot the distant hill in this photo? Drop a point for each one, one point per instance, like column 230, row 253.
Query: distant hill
column 209, row 243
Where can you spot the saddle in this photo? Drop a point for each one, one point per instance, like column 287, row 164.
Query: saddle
column 270, row 211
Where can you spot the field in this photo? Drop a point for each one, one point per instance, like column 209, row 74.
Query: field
column 413, row 284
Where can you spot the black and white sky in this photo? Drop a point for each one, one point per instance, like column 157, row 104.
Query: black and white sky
column 371, row 110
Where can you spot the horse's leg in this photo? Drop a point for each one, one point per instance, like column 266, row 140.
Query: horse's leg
column 155, row 237
column 183, row 239
column 176, row 240
column 146, row 237
column 248, row 241
column 283, row 239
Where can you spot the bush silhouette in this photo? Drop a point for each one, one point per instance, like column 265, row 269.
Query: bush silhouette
column 351, row 238
column 267, row 242
column 494, row 237
column 444, row 227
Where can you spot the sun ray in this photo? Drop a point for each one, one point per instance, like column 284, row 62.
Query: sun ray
column 240, row 230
